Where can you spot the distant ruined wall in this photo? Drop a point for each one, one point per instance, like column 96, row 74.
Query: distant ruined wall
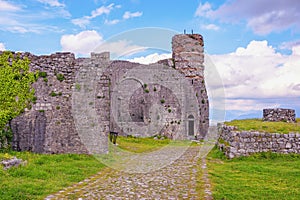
column 279, row 115
column 243, row 143
column 73, row 114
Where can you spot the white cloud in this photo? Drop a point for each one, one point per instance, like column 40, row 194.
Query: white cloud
column 210, row 27
column 17, row 19
column 111, row 22
column 85, row 20
column 203, row 10
column 21, row 29
column 102, row 10
column 128, row 15
column 7, row 6
column 290, row 45
column 120, row 48
column 53, row 3
column 261, row 16
column 81, row 22
column 152, row 58
column 2, row 47
column 248, row 105
column 82, row 43
column 255, row 73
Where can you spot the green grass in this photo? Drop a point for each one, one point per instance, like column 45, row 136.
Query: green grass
column 143, row 145
column 263, row 126
column 47, row 174
column 44, row 174
column 139, row 145
column 260, row 176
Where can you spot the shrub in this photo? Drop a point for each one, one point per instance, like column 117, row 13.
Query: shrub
column 34, row 98
column 77, row 86
column 60, row 77
column 53, row 94
column 42, row 74
column 6, row 136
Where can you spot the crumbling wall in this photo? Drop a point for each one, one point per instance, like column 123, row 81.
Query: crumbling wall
column 243, row 143
column 49, row 127
column 279, row 115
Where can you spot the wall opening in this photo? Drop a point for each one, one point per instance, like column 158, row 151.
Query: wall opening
column 191, row 125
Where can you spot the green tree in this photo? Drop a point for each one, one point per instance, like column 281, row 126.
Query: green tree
column 16, row 92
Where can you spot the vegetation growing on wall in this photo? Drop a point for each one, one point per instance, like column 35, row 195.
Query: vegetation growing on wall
column 15, row 91
column 60, row 77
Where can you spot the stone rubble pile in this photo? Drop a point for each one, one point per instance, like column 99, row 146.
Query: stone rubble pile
column 13, row 162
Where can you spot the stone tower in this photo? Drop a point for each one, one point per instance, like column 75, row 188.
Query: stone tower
column 188, row 57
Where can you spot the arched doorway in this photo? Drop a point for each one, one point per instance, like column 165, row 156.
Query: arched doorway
column 191, row 125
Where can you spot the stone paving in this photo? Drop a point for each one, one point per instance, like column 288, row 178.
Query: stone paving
column 177, row 180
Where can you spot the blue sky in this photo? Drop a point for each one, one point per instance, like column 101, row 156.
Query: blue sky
column 255, row 45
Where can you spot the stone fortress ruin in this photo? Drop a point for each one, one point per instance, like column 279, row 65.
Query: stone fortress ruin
column 80, row 100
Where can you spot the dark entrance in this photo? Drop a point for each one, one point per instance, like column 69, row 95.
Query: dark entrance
column 191, row 130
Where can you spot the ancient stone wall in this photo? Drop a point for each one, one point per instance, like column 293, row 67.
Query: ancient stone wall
column 243, row 143
column 279, row 115
column 73, row 111
column 49, row 127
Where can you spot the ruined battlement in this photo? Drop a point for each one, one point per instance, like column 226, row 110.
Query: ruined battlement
column 188, row 54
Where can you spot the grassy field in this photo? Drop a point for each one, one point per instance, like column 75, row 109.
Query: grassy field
column 44, row 174
column 260, row 176
column 47, row 174
column 270, row 127
column 139, row 145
